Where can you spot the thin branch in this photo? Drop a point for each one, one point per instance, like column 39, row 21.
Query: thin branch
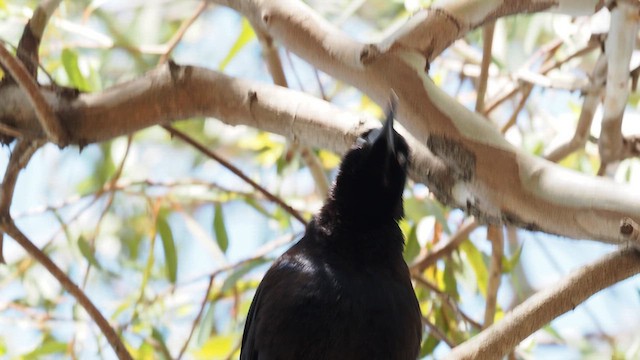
column 20, row 156
column 446, row 300
column 112, row 192
column 589, row 106
column 196, row 321
column 46, row 116
column 546, row 305
column 619, row 46
column 494, row 234
column 112, row 337
column 184, row 137
column 437, row 333
column 444, row 249
column 30, row 40
column 181, row 31
column 487, row 43
column 548, row 50
column 274, row 64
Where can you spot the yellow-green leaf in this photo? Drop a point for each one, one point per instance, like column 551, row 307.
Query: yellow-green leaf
column 218, row 347
column 509, row 263
column 159, row 338
column 246, row 34
column 475, row 260
column 412, row 247
column 169, row 247
column 87, row 252
column 219, row 229
column 48, row 347
column 70, row 63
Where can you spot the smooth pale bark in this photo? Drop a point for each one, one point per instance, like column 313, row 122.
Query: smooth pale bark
column 473, row 167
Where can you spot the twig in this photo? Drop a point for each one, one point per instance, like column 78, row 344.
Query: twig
column 444, row 249
column 112, row 191
column 437, row 333
column 184, row 137
column 494, row 234
column 487, row 43
column 548, row 304
column 258, row 254
column 526, row 91
column 196, row 321
column 29, row 43
column 446, row 300
column 589, row 106
column 46, row 116
column 277, row 73
column 20, row 156
column 181, row 31
column 112, row 337
column 549, row 49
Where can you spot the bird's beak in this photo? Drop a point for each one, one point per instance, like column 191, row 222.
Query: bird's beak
column 386, row 138
column 387, row 129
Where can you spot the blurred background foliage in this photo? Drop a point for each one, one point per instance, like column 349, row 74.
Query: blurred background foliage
column 171, row 244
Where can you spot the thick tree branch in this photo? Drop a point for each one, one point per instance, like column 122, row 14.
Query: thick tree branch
column 492, row 179
column 48, row 119
column 618, row 49
column 548, row 304
column 483, row 173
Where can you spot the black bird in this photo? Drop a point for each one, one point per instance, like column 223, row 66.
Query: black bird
column 344, row 291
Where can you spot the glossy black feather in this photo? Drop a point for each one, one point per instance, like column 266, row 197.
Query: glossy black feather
column 343, row 291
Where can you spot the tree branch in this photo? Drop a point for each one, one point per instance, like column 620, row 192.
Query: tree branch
column 112, row 337
column 237, row 172
column 619, row 46
column 30, row 40
column 48, row 120
column 548, row 304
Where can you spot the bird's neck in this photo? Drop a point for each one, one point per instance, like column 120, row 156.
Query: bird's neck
column 354, row 232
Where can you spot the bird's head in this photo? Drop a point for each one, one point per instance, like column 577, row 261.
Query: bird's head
column 373, row 174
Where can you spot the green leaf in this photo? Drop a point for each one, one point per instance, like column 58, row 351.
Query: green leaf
column 70, row 63
column 246, row 34
column 509, row 264
column 159, row 338
column 206, row 326
column 48, row 347
column 87, row 252
column 428, row 346
column 412, row 248
column 450, row 283
column 103, row 170
column 257, row 206
column 417, row 209
column 475, row 260
column 219, row 228
column 553, row 332
column 169, row 247
column 233, row 278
